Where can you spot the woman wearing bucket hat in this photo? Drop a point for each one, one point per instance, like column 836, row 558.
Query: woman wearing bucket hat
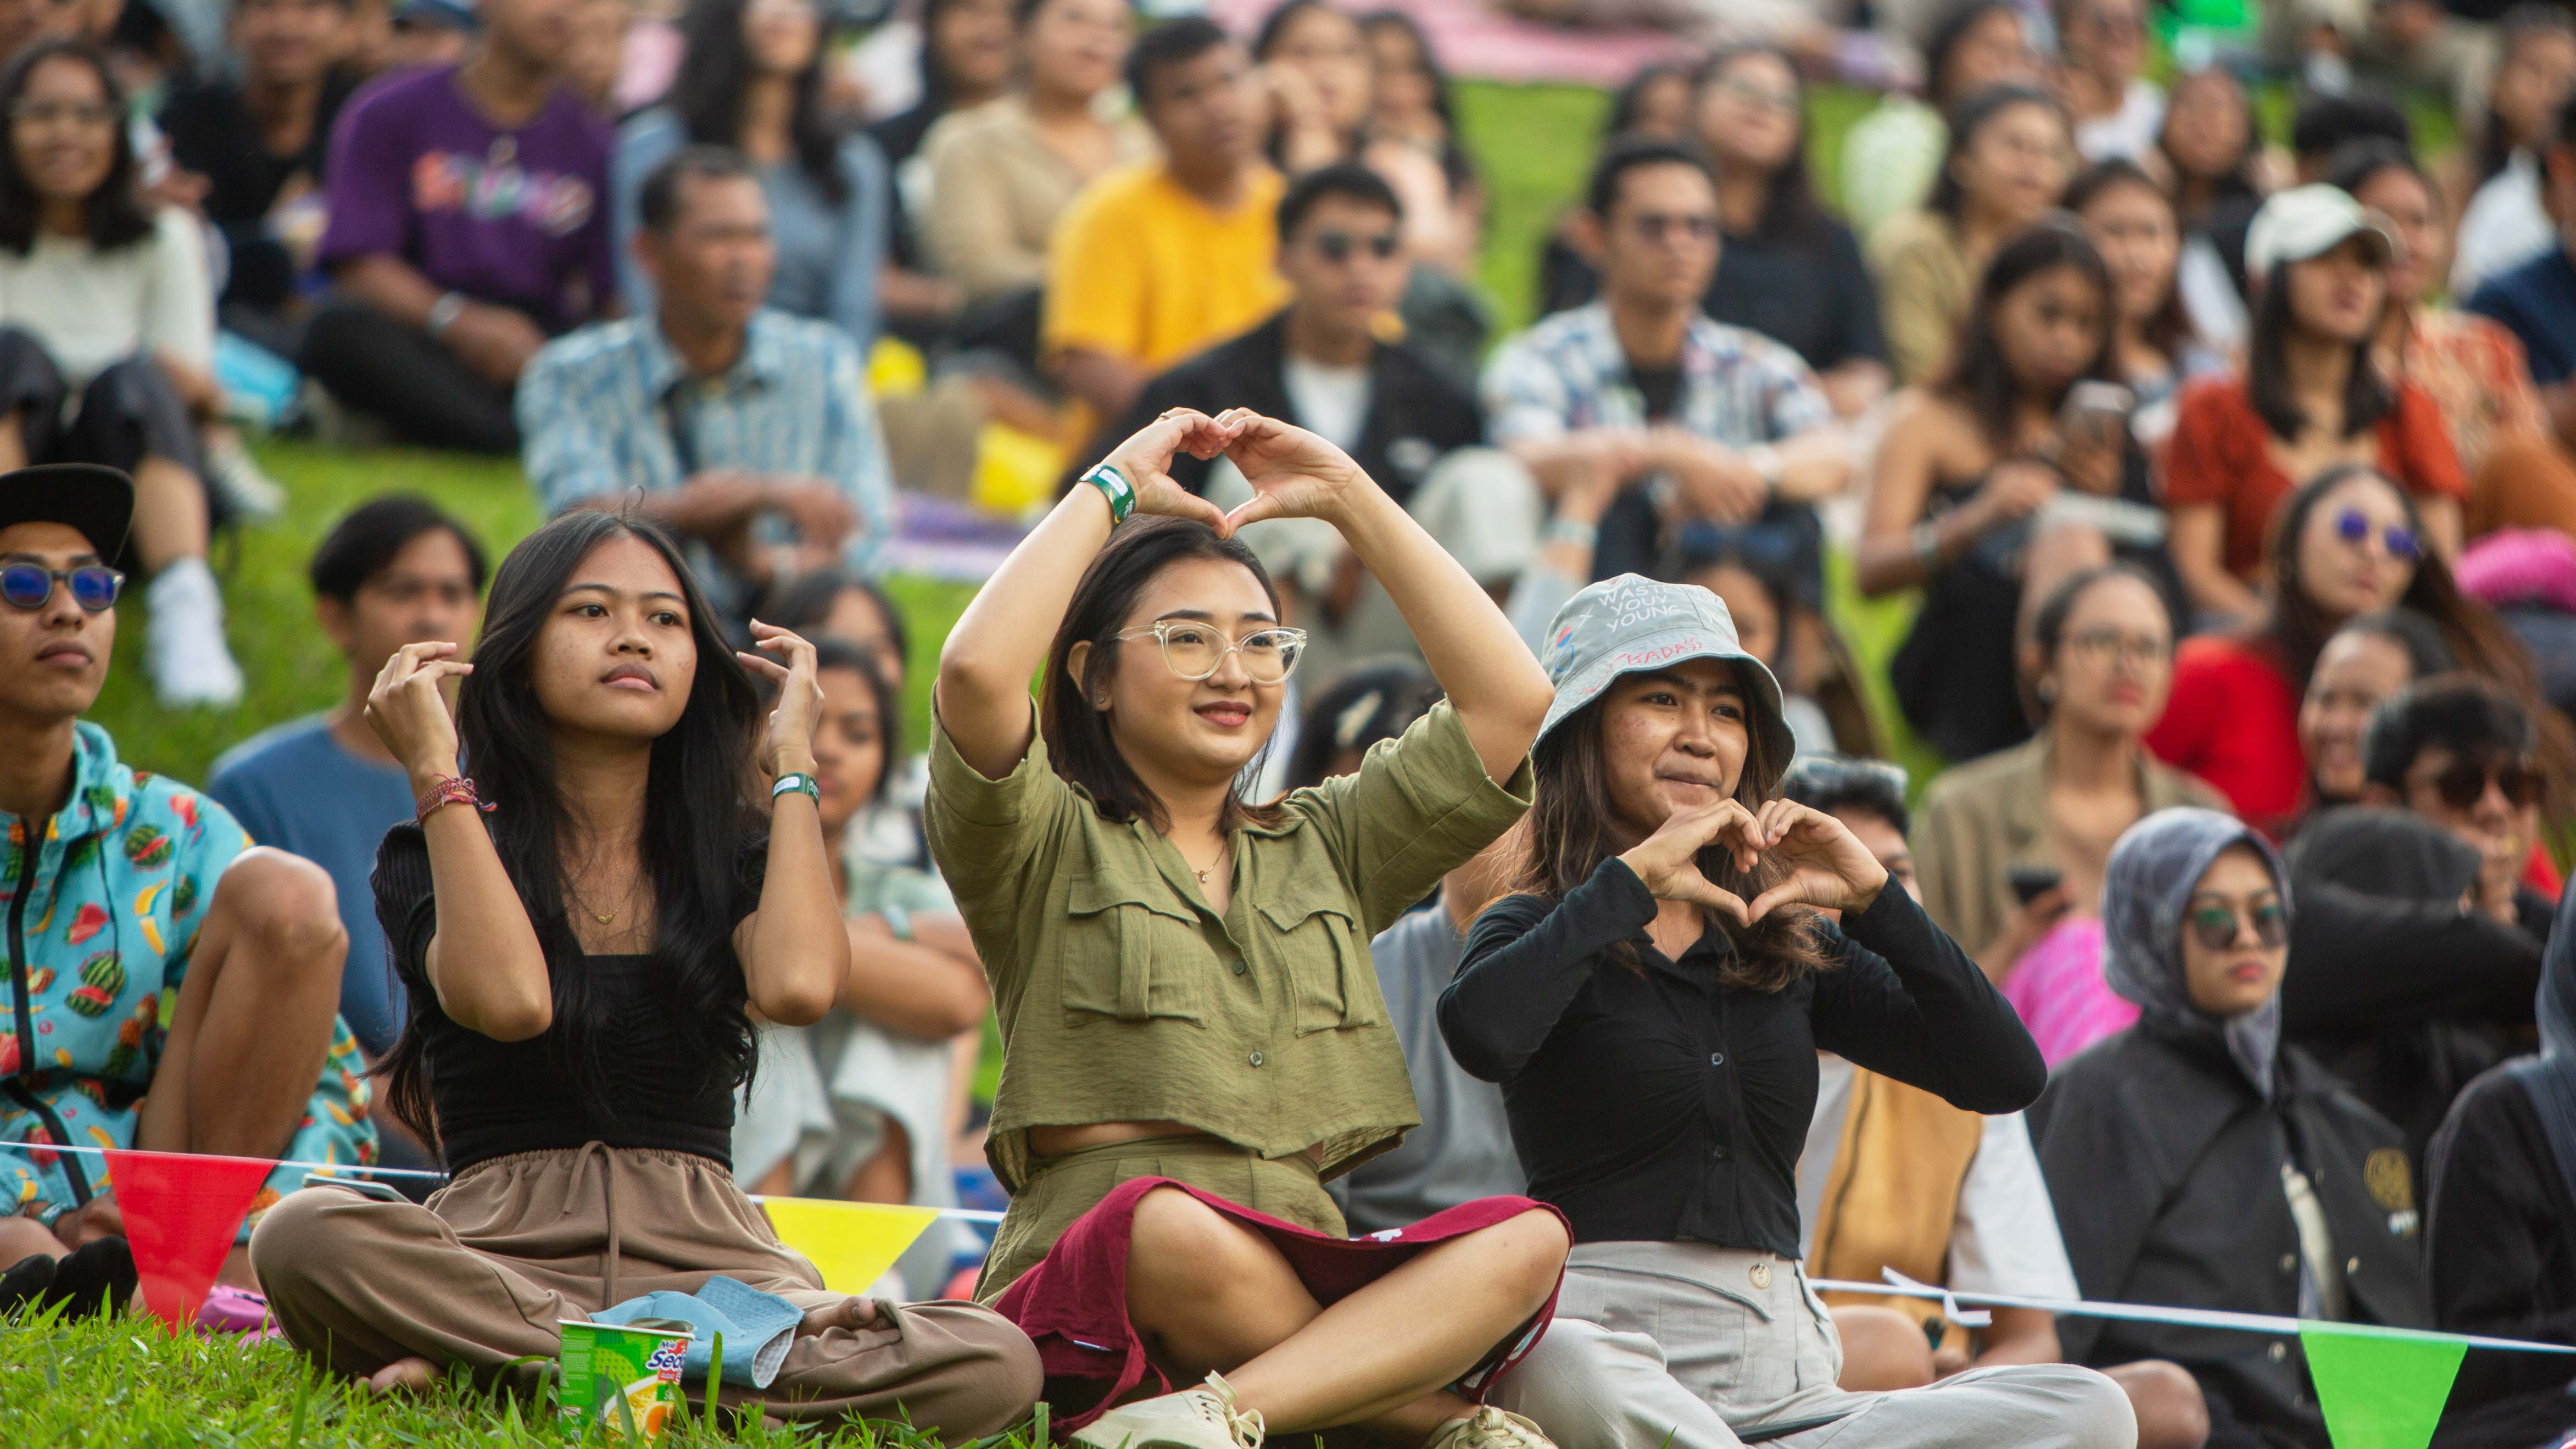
column 1194, row 1037
column 1653, row 1002
column 2310, row 397
column 2197, row 1161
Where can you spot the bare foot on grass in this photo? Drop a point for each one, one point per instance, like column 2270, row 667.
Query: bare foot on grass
column 403, row 1376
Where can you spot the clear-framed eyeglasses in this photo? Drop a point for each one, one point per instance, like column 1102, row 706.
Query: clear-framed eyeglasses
column 1194, row 651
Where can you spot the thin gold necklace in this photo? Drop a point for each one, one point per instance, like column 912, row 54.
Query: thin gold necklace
column 1221, row 852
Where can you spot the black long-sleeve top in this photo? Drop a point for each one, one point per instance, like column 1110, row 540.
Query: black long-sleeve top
column 1654, row 1105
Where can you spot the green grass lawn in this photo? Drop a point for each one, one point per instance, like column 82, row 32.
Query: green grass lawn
column 127, row 1383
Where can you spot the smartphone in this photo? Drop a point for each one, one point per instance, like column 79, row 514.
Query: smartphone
column 2030, row 882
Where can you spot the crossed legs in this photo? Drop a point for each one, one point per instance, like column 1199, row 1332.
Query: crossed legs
column 1211, row 1295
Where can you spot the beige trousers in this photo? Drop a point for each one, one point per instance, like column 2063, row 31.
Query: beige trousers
column 481, row 1275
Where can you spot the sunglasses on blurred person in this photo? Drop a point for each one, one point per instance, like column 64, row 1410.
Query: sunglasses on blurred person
column 2465, row 783
column 30, row 586
column 2216, row 924
column 1338, row 246
column 2353, row 527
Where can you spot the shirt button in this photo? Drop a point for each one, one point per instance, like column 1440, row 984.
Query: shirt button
column 1240, row 968
column 1717, row 1153
column 1256, row 1059
column 2278, row 1351
column 1717, row 1059
column 2289, row 1262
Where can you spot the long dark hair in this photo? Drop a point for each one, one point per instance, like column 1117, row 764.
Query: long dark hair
column 1630, row 99
column 1950, row 33
column 2170, row 327
column 1455, row 163
column 1789, row 209
column 1967, row 123
column 2367, row 396
column 2520, row 24
column 2237, row 183
column 1077, row 735
column 1981, row 377
column 715, row 73
column 111, row 217
column 699, row 829
column 2299, row 628
column 1573, row 827
column 863, row 662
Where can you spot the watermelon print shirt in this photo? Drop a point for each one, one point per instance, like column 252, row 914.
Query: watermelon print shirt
column 99, row 907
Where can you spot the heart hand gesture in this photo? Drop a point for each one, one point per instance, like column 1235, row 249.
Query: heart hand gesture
column 1824, row 865
column 1293, row 473
column 1146, row 459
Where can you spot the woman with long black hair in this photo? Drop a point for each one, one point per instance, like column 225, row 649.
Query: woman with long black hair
column 1193, row 1034
column 586, row 926
column 751, row 80
column 1652, row 1002
column 2009, row 156
column 1968, row 466
column 2311, row 396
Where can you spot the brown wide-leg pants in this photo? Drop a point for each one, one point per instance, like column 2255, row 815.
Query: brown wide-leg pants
column 480, row 1276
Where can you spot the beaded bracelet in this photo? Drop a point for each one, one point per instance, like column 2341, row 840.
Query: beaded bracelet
column 450, row 790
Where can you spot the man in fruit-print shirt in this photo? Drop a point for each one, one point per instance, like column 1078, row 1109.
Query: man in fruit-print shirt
column 169, row 986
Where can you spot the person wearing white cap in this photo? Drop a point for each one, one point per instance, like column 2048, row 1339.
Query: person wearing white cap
column 2310, row 397
column 1652, row 1002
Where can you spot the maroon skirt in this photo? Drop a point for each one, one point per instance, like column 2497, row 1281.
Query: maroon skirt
column 1073, row 1304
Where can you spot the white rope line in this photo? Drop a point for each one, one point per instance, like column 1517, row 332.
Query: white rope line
column 970, row 1215
column 1901, row 1286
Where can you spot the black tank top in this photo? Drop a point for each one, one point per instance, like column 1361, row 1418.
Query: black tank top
column 494, row 1097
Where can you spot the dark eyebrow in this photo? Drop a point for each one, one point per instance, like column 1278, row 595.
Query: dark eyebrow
column 612, row 591
column 1204, row 617
column 78, row 560
column 1674, row 681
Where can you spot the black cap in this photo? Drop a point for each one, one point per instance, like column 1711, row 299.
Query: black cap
column 97, row 501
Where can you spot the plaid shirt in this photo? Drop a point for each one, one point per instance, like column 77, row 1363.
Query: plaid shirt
column 1569, row 373
column 610, row 408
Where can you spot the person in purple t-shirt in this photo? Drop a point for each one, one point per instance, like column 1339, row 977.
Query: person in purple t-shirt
column 468, row 225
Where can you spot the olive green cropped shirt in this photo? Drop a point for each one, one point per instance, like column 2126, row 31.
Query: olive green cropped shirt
column 1123, row 998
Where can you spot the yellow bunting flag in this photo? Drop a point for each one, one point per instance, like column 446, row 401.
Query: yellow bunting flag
column 853, row 1243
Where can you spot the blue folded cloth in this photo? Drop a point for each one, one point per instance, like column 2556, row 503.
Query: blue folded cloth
column 758, row 1328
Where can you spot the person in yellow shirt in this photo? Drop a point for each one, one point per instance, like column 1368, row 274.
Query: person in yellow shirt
column 1155, row 261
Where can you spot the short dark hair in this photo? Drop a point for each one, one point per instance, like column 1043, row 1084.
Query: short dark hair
column 1174, row 42
column 1346, row 179
column 1372, row 701
column 863, row 662
column 2473, row 718
column 1837, row 782
column 1622, row 157
column 363, row 544
column 2325, row 124
column 658, row 202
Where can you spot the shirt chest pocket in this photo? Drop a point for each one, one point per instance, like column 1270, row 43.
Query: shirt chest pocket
column 1132, row 952
column 1331, row 984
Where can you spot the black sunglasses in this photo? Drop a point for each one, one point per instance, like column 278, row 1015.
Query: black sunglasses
column 1337, row 246
column 2214, row 922
column 2464, row 784
column 27, row 586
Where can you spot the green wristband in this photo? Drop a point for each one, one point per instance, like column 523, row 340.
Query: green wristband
column 1113, row 485
column 800, row 783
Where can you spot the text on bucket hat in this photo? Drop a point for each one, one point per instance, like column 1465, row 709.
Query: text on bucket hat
column 1626, row 624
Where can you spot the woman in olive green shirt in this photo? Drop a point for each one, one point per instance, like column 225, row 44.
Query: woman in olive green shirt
column 1183, row 978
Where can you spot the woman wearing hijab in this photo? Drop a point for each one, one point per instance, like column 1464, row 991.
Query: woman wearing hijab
column 2395, row 988
column 2503, row 1201
column 2197, row 1162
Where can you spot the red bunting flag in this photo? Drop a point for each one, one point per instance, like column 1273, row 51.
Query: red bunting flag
column 181, row 1212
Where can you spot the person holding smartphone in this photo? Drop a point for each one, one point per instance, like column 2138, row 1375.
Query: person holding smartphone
column 1963, row 499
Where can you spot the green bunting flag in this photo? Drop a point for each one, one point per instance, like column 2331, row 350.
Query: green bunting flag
column 2380, row 1388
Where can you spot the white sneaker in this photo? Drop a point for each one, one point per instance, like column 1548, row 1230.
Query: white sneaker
column 1201, row 1418
column 183, row 639
column 237, row 478
column 1490, row 1428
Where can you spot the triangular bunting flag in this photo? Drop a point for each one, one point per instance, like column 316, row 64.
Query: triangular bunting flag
column 853, row 1243
column 181, row 1212
column 2380, row 1388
